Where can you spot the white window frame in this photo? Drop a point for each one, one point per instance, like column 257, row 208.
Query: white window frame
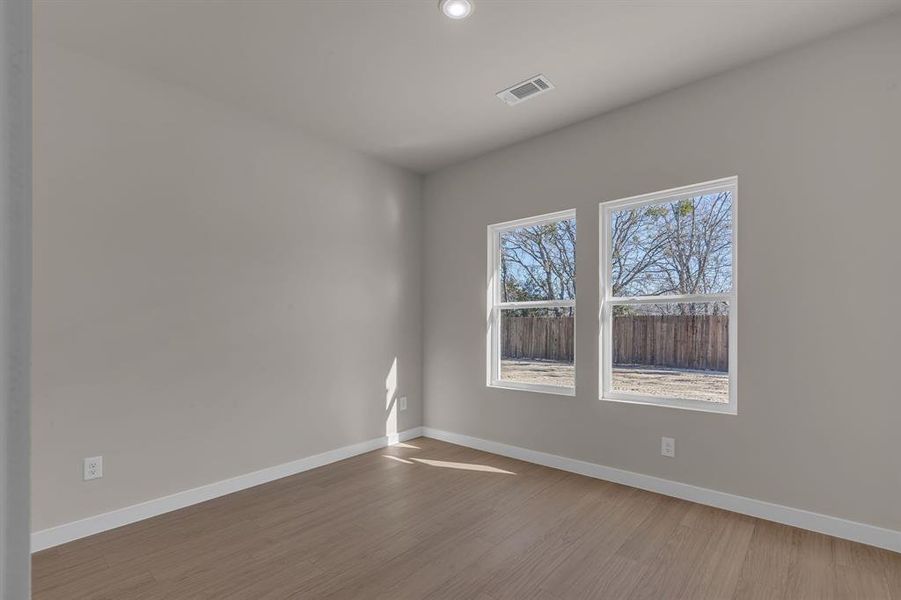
column 607, row 301
column 495, row 306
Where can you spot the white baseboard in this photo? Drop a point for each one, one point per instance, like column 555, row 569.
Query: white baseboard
column 796, row 517
column 841, row 528
column 54, row 536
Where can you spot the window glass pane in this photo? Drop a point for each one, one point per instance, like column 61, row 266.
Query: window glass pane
column 682, row 247
column 672, row 350
column 537, row 346
column 538, row 262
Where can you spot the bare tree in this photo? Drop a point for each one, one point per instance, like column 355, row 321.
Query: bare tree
column 682, row 247
column 637, row 246
column 539, row 262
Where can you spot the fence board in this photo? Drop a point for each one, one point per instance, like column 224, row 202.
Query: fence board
column 547, row 338
column 676, row 341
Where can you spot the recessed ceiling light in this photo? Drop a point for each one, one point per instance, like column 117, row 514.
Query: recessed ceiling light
column 456, row 9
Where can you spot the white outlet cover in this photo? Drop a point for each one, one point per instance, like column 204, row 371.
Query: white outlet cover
column 93, row 468
column 668, row 447
column 403, row 403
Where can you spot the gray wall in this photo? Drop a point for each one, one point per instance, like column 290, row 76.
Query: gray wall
column 815, row 139
column 15, row 296
column 213, row 293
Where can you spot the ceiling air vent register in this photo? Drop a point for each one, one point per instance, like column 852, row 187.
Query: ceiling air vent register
column 522, row 91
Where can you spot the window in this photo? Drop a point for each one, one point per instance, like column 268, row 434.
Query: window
column 668, row 298
column 532, row 303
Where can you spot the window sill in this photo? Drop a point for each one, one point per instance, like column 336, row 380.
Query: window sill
column 691, row 405
column 541, row 389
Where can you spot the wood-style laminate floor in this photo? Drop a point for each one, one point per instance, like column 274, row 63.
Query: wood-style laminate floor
column 432, row 520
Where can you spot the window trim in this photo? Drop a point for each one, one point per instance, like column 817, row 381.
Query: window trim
column 606, row 301
column 495, row 306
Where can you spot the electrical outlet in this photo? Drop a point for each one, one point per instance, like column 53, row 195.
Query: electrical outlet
column 93, row 468
column 668, row 447
column 403, row 402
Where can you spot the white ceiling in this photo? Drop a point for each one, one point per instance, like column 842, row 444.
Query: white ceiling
column 398, row 80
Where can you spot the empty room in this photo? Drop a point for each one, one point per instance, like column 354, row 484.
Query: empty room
column 458, row 299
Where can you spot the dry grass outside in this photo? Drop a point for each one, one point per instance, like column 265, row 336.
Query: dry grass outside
column 708, row 386
column 544, row 372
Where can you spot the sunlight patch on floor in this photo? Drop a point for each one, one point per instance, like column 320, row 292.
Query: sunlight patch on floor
column 405, row 445
column 399, row 459
column 462, row 466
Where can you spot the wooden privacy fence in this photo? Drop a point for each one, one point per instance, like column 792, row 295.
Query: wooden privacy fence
column 548, row 338
column 677, row 341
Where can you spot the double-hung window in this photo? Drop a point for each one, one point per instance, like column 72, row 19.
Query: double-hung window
column 668, row 298
column 532, row 303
